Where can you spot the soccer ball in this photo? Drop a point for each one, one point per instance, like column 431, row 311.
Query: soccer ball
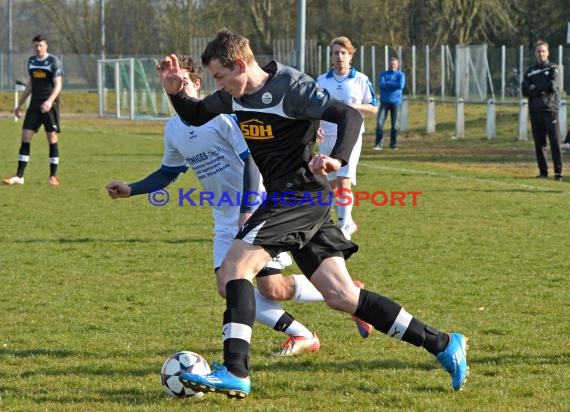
column 177, row 364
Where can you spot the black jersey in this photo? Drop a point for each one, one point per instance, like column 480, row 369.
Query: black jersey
column 43, row 72
column 279, row 123
column 545, row 96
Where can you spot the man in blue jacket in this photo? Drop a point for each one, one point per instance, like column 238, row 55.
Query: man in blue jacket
column 391, row 83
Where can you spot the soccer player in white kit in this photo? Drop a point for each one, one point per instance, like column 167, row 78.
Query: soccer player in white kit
column 348, row 85
column 218, row 155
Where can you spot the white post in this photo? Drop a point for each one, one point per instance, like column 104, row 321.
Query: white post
column 132, row 95
column 523, row 120
column 413, row 71
column 491, row 124
column 427, row 71
column 404, row 115
column 117, row 91
column 374, row 80
column 503, row 70
column 563, row 119
column 431, row 116
column 442, row 48
column 460, row 119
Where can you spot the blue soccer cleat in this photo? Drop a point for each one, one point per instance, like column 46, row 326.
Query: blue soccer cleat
column 220, row 380
column 454, row 360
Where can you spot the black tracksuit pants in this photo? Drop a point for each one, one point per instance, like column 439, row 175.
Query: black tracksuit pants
column 546, row 124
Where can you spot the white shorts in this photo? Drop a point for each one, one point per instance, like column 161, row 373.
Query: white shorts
column 224, row 235
column 348, row 170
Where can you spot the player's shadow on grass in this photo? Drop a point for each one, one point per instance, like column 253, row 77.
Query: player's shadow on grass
column 27, row 353
column 95, row 240
column 521, row 190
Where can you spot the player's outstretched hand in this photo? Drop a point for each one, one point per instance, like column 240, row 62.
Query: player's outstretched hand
column 321, row 165
column 117, row 189
column 170, row 74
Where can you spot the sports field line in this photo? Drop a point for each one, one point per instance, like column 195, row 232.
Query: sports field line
column 467, row 178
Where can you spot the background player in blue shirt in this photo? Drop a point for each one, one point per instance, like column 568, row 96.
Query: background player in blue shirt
column 391, row 83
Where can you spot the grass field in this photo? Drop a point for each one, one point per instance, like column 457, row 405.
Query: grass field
column 97, row 293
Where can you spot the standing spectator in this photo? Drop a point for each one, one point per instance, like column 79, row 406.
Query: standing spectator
column 540, row 85
column 349, row 86
column 44, row 84
column 391, row 84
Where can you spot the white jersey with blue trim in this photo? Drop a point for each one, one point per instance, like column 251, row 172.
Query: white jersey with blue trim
column 355, row 88
column 215, row 151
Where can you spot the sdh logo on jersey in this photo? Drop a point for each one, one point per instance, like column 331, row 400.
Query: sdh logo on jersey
column 255, row 129
column 39, row 74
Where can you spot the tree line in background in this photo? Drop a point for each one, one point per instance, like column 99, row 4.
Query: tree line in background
column 150, row 27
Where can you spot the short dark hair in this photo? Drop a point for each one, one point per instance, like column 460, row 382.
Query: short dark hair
column 541, row 43
column 227, row 47
column 188, row 63
column 39, row 38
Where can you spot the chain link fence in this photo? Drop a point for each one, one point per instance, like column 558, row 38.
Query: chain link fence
column 473, row 73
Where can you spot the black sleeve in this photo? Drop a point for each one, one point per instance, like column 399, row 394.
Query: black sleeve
column 251, row 180
column 156, row 180
column 191, row 110
column 551, row 85
column 349, row 123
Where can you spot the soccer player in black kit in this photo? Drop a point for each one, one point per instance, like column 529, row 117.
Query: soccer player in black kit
column 44, row 85
column 278, row 109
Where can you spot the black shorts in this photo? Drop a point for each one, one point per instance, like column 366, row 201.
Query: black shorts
column 35, row 118
column 307, row 231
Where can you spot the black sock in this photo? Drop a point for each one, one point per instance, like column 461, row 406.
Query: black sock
column 53, row 158
column 238, row 324
column 390, row 318
column 284, row 322
column 23, row 158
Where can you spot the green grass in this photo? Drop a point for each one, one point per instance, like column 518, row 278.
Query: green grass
column 97, row 293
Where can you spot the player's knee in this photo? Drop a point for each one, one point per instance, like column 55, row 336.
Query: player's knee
column 342, row 300
column 222, row 291
column 274, row 290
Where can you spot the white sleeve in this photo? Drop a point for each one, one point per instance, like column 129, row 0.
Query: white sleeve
column 172, row 157
column 232, row 133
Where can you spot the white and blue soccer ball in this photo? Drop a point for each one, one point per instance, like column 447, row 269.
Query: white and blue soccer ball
column 177, row 364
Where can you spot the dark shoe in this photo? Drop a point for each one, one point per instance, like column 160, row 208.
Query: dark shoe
column 560, row 178
column 542, row 177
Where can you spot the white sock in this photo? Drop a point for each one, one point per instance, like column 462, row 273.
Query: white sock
column 344, row 209
column 267, row 312
column 298, row 329
column 305, row 291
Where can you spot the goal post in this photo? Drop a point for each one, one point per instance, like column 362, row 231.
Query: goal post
column 129, row 88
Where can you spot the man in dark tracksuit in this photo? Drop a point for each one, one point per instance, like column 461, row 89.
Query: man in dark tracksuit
column 540, row 85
